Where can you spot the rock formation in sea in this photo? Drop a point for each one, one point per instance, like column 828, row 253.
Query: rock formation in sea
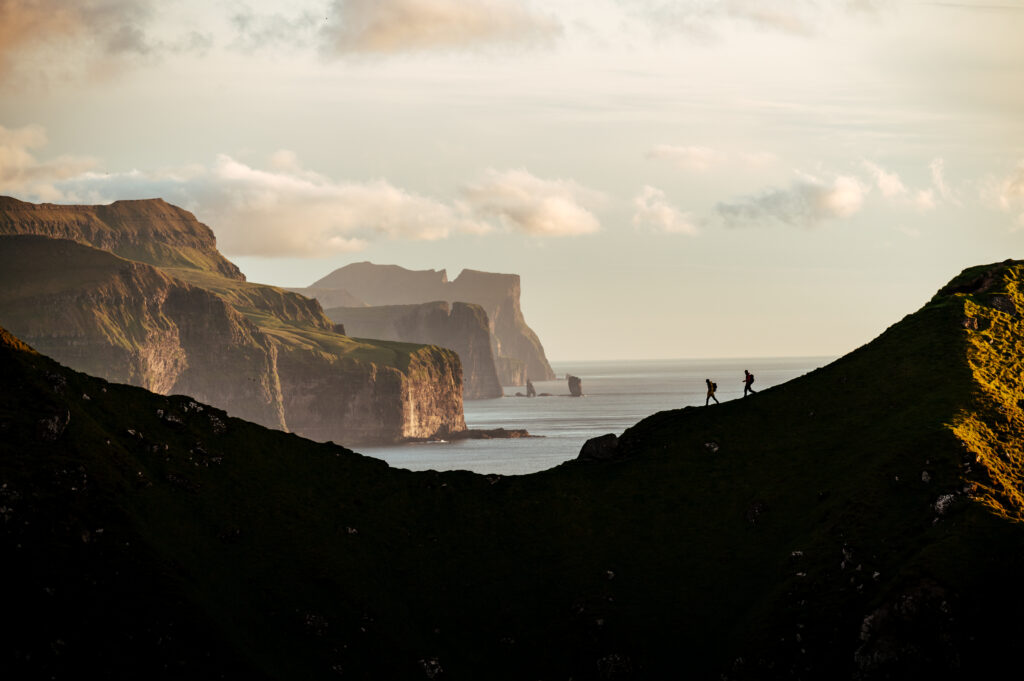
column 518, row 352
column 463, row 327
column 137, row 292
column 575, row 385
column 530, row 390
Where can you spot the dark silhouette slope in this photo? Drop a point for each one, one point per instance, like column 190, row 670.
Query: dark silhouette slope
column 856, row 523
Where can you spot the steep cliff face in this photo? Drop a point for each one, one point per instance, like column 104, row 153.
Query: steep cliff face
column 497, row 294
column 130, row 323
column 335, row 398
column 193, row 325
column 463, row 327
column 150, row 231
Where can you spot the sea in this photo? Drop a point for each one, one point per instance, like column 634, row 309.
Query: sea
column 617, row 394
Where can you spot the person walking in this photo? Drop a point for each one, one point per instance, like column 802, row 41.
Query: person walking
column 712, row 387
column 748, row 381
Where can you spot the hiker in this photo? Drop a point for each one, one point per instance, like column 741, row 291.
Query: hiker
column 748, row 380
column 712, row 387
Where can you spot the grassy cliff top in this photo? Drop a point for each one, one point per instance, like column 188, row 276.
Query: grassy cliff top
column 150, row 231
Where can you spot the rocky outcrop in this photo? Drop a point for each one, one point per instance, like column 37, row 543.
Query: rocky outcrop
column 182, row 319
column 498, row 294
column 463, row 327
column 575, row 385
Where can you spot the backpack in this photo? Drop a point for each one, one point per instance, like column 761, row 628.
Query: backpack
column 714, row 386
column 751, row 378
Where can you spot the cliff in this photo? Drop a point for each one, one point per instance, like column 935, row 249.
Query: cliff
column 191, row 324
column 150, row 231
column 460, row 326
column 861, row 522
column 497, row 294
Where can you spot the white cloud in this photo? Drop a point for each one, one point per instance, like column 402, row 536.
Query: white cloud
column 290, row 210
column 924, row 199
column 653, row 211
column 807, row 202
column 889, row 183
column 1007, row 193
column 938, row 168
column 393, row 26
column 526, row 203
column 287, row 211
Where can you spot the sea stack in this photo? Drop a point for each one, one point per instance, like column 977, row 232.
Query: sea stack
column 575, row 385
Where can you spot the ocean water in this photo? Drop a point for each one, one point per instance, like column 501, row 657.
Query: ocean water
column 617, row 394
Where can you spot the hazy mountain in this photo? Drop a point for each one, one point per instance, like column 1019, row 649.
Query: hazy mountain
column 463, row 327
column 517, row 350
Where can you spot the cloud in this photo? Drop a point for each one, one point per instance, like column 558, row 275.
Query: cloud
column 83, row 36
column 703, row 19
column 1007, row 193
column 21, row 173
column 700, row 159
column 287, row 210
column 394, row 26
column 653, row 211
column 259, row 31
column 938, row 168
column 889, row 183
column 522, row 202
column 807, row 202
column 113, row 27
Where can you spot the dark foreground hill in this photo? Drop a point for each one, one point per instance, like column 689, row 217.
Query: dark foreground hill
column 862, row 522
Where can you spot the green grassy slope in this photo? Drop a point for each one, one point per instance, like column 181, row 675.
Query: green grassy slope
column 856, row 523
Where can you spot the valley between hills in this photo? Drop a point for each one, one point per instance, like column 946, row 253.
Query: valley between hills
column 860, row 522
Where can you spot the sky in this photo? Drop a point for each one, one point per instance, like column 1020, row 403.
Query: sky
column 670, row 178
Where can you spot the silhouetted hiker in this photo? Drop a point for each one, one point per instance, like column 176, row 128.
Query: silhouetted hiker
column 748, row 380
column 712, row 387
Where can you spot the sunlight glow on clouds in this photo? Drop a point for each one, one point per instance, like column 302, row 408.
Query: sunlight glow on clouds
column 1007, row 193
column 524, row 202
column 291, row 211
column 653, row 211
column 90, row 36
column 21, row 173
column 391, row 26
column 892, row 187
column 807, row 202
